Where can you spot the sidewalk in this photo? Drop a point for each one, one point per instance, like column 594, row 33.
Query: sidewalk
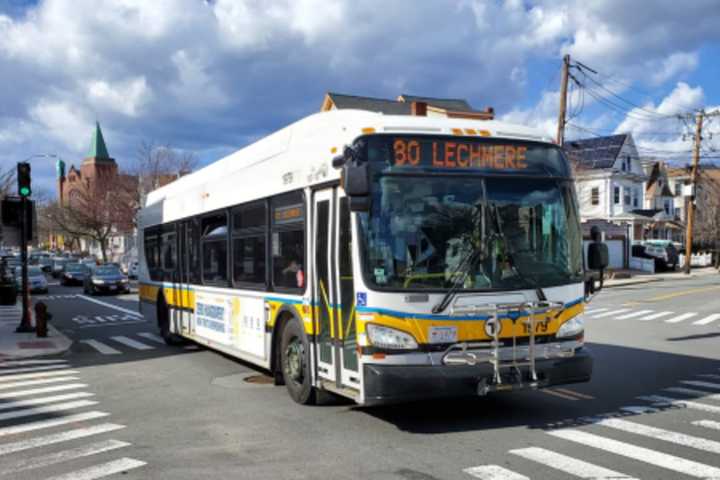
column 19, row 345
column 642, row 277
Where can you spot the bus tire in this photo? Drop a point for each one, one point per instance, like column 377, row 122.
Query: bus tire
column 295, row 363
column 163, row 318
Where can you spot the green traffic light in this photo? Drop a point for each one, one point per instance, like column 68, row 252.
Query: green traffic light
column 25, row 191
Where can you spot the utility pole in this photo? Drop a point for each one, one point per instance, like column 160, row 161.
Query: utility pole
column 24, row 190
column 693, row 182
column 563, row 100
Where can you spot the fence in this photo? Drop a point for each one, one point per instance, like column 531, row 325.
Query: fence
column 642, row 264
column 697, row 260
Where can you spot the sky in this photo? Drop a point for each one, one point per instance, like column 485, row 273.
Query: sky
column 210, row 77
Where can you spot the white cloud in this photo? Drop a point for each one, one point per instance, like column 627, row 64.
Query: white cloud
column 62, row 120
column 126, row 97
column 674, row 65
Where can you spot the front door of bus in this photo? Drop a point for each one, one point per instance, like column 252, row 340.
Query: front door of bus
column 333, row 295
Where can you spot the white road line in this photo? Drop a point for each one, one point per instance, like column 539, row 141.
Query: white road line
column 696, row 383
column 7, row 371
column 569, row 465
column 693, row 393
column 101, row 347
column 49, row 409
column 36, row 391
column 43, row 400
column 680, row 318
column 635, row 314
column 17, row 363
column 708, row 319
column 707, row 424
column 43, row 381
column 661, row 434
column 110, row 305
column 611, row 313
column 659, row 400
column 708, row 375
column 655, row 315
column 152, row 336
column 102, row 470
column 659, row 459
column 494, row 472
column 132, row 343
column 27, row 376
column 595, row 310
column 64, row 456
column 66, row 436
column 53, row 422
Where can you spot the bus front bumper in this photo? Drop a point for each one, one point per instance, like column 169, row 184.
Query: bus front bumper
column 385, row 384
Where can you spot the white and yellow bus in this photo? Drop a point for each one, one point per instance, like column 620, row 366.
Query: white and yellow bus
column 382, row 258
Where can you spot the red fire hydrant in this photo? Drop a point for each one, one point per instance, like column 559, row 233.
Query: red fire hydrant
column 41, row 319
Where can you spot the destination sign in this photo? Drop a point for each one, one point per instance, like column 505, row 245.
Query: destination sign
column 448, row 153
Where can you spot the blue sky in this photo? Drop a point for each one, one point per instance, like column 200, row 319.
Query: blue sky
column 209, row 77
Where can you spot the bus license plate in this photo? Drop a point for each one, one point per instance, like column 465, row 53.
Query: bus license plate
column 443, row 334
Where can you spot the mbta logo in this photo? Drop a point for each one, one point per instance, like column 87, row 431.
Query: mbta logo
column 493, row 326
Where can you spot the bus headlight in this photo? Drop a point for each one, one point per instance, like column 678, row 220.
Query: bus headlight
column 384, row 337
column 572, row 328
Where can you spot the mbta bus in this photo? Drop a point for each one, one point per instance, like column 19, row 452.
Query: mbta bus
column 377, row 257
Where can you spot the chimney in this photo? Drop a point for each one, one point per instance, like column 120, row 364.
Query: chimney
column 418, row 109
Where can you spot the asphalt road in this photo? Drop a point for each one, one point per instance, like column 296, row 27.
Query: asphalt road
column 189, row 413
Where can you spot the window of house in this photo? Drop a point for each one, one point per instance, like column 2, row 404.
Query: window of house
column 636, row 197
column 667, row 207
column 616, row 195
column 595, row 196
column 678, row 189
column 626, row 196
column 623, row 165
column 249, row 244
column 214, row 249
column 288, row 241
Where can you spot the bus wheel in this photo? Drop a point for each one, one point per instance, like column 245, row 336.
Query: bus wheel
column 163, row 317
column 295, row 363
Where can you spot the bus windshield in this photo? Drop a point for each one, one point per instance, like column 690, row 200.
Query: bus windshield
column 422, row 231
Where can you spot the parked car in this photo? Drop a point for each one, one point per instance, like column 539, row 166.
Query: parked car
column 58, row 265
column 46, row 264
column 106, row 279
column 36, row 279
column 664, row 253
column 73, row 274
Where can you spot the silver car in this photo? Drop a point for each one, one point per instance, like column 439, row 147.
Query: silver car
column 36, row 279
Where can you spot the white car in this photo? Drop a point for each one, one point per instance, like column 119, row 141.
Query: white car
column 36, row 279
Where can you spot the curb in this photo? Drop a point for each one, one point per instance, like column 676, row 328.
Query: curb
column 622, row 283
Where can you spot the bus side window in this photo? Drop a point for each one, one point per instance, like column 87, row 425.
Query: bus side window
column 152, row 253
column 249, row 251
column 214, row 249
column 288, row 241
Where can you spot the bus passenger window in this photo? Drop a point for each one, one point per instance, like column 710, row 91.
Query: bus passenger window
column 214, row 249
column 289, row 259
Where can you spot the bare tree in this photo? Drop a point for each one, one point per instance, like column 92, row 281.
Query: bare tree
column 157, row 165
column 95, row 210
column 7, row 181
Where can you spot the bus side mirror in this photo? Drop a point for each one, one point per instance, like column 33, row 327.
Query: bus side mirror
column 356, row 183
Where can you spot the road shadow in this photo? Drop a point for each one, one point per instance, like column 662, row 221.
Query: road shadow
column 621, row 374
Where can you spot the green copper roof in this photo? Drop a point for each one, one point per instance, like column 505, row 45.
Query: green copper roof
column 97, row 144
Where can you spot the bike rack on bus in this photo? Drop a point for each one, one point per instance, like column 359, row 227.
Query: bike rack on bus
column 490, row 352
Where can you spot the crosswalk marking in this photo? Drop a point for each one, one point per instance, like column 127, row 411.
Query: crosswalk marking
column 152, row 336
column 101, row 347
column 611, row 312
column 102, row 470
column 8, row 371
column 693, row 393
column 661, row 434
column 58, row 437
column 53, row 422
column 634, row 314
column 663, row 460
column 26, row 376
column 64, row 456
column 656, row 315
column 708, row 319
column 43, row 400
column 42, row 381
column 132, row 343
column 697, row 383
column 680, row 318
column 17, row 363
column 48, row 409
column 661, row 400
column 35, row 391
column 494, row 472
column 707, row 424
column 568, row 465
column 595, row 310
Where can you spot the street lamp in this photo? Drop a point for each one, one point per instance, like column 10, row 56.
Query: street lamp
column 24, row 191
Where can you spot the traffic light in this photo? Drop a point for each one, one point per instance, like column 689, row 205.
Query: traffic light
column 23, row 176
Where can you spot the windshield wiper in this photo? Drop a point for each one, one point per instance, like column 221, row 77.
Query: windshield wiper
column 510, row 253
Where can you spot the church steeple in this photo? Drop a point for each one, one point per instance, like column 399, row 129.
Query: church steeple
column 98, row 150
